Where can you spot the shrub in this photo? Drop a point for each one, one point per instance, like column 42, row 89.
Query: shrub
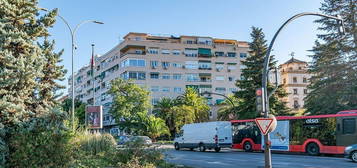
column 94, row 144
column 40, row 142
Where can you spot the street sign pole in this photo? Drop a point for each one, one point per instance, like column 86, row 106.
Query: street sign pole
column 267, row 152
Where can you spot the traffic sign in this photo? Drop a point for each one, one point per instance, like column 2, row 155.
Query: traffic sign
column 264, row 124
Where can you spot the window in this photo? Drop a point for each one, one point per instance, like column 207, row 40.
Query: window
column 177, row 76
column 294, row 79
column 231, row 54
column 138, row 51
column 154, row 75
column 219, row 54
column 135, row 75
column 233, row 90
column 305, row 91
column 299, row 68
column 177, row 90
column 349, row 126
column 154, row 88
column 191, row 64
column 189, row 42
column 133, row 63
column 176, row 52
column 231, row 67
column 192, row 77
column 284, row 81
column 220, row 89
column 141, row 76
column 165, row 76
column 177, row 65
column 295, row 91
column 243, row 55
column 165, row 51
column 154, row 64
column 219, row 67
column 220, row 78
column 191, row 52
column 154, row 101
column 153, row 51
column 204, row 65
column 165, row 65
column 304, row 80
column 296, row 104
column 165, row 89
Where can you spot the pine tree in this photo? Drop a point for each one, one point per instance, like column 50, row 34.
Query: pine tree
column 252, row 79
column 28, row 69
column 334, row 66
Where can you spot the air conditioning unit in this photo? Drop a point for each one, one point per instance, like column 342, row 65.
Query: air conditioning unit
column 218, row 69
column 229, row 70
column 183, row 67
column 153, row 67
column 234, row 48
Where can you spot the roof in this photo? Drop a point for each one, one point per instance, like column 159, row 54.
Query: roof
column 294, row 60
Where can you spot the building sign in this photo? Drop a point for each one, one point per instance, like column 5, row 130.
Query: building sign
column 279, row 137
column 94, row 117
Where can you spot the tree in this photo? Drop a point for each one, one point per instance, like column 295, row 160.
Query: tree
column 333, row 86
column 129, row 100
column 79, row 111
column 155, row 127
column 28, row 69
column 252, row 79
column 197, row 102
column 226, row 110
column 163, row 109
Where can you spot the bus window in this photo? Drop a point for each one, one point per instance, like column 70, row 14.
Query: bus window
column 349, row 126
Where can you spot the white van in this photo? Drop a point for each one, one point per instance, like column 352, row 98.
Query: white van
column 208, row 135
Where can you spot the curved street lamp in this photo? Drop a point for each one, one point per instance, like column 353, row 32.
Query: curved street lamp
column 265, row 75
column 73, row 33
column 209, row 93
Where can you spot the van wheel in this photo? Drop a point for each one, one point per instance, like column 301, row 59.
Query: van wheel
column 191, row 149
column 201, row 147
column 217, row 149
column 354, row 156
column 312, row 149
column 177, row 146
column 247, row 146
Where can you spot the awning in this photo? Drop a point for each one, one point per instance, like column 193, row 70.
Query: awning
column 204, row 51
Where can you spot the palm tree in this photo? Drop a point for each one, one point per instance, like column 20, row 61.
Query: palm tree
column 156, row 127
column 163, row 109
column 227, row 111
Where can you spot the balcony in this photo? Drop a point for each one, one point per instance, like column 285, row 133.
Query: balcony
column 132, row 49
column 204, row 52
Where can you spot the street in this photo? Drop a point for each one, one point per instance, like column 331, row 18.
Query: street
column 234, row 159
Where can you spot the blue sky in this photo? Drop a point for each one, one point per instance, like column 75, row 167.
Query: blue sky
column 230, row 19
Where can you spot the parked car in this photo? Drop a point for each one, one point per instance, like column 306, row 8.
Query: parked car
column 144, row 139
column 123, row 139
column 208, row 135
column 351, row 152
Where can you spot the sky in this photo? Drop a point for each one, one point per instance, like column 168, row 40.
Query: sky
column 230, row 19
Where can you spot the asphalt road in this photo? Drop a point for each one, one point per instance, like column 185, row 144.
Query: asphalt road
column 238, row 159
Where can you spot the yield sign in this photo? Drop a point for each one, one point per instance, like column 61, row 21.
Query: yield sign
column 264, row 124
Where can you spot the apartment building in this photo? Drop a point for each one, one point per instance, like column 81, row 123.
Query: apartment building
column 295, row 80
column 165, row 65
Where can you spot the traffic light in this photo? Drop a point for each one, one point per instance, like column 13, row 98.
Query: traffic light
column 259, row 100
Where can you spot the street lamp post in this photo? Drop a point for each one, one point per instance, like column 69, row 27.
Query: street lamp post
column 73, row 33
column 265, row 75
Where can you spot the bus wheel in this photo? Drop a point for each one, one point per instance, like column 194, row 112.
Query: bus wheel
column 201, row 147
column 354, row 156
column 217, row 149
column 177, row 147
column 312, row 149
column 247, row 146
